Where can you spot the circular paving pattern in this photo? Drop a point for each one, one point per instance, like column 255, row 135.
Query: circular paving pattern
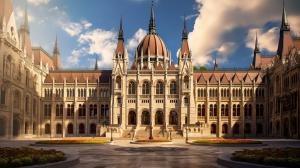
column 151, row 149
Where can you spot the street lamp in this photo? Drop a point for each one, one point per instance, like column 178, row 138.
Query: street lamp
column 111, row 134
column 186, row 135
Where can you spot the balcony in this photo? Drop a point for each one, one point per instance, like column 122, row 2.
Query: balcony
column 213, row 117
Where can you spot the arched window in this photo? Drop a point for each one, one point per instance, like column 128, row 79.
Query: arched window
column 58, row 129
column 132, row 118
column 93, row 128
column 211, row 110
column 186, row 82
column 226, row 110
column 26, row 128
column 238, row 110
column 199, row 109
column 81, row 128
column 146, row 88
column 222, row 110
column 159, row 88
column 173, row 120
column 224, row 129
column 118, row 82
column 70, row 128
column 203, row 110
column 145, row 118
column 173, row 87
column 213, row 129
column 132, row 88
column 234, row 110
column 47, row 129
column 215, row 110
column 159, row 118
column 259, row 128
column 186, row 100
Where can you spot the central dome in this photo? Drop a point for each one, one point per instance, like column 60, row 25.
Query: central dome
column 152, row 45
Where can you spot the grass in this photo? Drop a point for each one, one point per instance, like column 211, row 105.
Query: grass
column 18, row 157
column 284, row 157
column 73, row 141
column 226, row 141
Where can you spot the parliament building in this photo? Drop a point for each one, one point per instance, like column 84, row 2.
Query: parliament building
column 154, row 95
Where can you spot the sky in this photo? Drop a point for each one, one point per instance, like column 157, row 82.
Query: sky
column 219, row 29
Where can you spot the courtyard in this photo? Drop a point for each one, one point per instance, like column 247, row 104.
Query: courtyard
column 121, row 153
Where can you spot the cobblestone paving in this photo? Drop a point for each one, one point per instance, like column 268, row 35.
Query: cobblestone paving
column 123, row 154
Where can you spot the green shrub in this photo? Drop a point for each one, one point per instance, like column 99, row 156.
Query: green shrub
column 16, row 163
column 3, row 162
column 26, row 161
column 42, row 159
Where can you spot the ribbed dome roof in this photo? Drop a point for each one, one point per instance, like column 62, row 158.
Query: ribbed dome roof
column 152, row 45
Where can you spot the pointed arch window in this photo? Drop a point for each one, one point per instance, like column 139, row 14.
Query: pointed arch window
column 118, row 82
column 186, row 82
column 159, row 88
column 146, row 88
column 132, row 88
column 173, row 87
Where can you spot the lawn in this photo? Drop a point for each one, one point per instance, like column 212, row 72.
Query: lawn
column 17, row 157
column 284, row 157
column 74, row 141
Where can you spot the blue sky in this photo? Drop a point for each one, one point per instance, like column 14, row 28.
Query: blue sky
column 222, row 29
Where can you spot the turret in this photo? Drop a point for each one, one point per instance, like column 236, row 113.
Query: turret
column 256, row 54
column 56, row 55
column 25, row 37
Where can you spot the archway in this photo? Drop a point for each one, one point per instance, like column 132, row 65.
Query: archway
column 247, row 128
column 70, row 128
column 47, row 129
column 173, row 118
column 132, row 118
column 286, row 128
column 224, row 128
column 93, row 128
column 2, row 127
column 58, row 128
column 145, row 118
column 16, row 127
column 81, row 129
column 159, row 118
column 236, row 129
column 259, row 129
column 213, row 129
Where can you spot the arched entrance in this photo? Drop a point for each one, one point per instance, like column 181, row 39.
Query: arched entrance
column 2, row 127
column 81, row 129
column 286, row 128
column 132, row 118
column 70, row 128
column 173, row 120
column 224, row 128
column 93, row 128
column 145, row 118
column 236, row 129
column 47, row 129
column 16, row 127
column 213, row 129
column 159, row 118
column 247, row 128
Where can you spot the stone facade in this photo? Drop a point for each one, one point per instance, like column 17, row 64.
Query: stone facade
column 154, row 96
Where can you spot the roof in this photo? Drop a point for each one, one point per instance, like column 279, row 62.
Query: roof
column 91, row 76
column 152, row 45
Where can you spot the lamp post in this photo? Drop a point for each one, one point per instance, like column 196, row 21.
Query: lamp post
column 186, row 135
column 151, row 134
column 111, row 134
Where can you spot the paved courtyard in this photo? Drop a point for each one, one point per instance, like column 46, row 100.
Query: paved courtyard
column 123, row 154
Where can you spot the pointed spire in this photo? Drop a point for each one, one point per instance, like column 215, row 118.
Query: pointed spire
column 56, row 49
column 96, row 64
column 25, row 25
column 120, row 37
column 152, row 20
column 215, row 65
column 184, row 32
column 256, row 49
column 284, row 22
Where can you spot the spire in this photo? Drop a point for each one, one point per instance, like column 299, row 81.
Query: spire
column 256, row 49
column 152, row 20
column 120, row 37
column 284, row 22
column 184, row 32
column 215, row 64
column 25, row 25
column 56, row 49
column 96, row 64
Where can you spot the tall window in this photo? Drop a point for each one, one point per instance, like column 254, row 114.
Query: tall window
column 173, row 120
column 146, row 88
column 3, row 94
column 186, row 82
column 82, row 110
column 159, row 88
column 201, row 110
column 173, row 88
column 132, row 88
column 70, row 110
column 118, row 82
column 47, row 110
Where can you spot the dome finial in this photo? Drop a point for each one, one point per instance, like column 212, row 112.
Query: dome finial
column 152, row 20
column 56, row 49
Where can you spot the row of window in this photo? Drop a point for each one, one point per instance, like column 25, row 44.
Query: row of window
column 159, row 118
column 236, row 110
column 93, row 110
column 236, row 128
column 70, row 128
column 146, row 88
column 81, row 92
column 225, row 92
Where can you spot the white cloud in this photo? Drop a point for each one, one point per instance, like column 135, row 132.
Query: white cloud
column 224, row 50
column 267, row 40
column 219, row 18
column 38, row 2
column 74, row 28
column 295, row 24
column 19, row 13
column 136, row 39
